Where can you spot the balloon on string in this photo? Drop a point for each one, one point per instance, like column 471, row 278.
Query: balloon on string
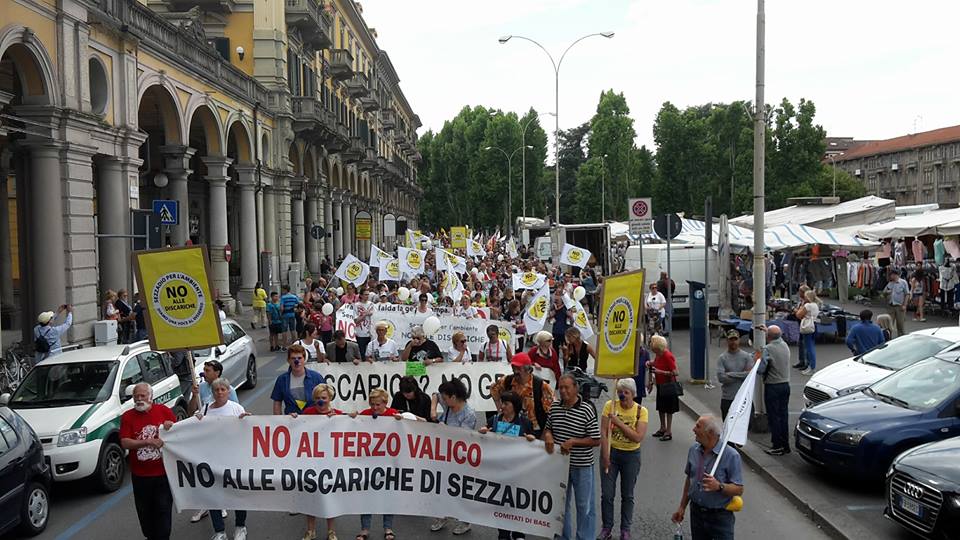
column 339, row 291
column 403, row 293
column 579, row 293
column 431, row 325
column 327, row 308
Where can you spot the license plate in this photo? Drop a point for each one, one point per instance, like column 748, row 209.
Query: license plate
column 804, row 443
column 910, row 505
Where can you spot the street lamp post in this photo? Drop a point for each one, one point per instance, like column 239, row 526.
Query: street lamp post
column 509, row 180
column 556, row 107
column 603, row 188
column 523, row 159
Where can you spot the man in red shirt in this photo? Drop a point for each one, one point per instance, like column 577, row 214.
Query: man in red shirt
column 139, row 435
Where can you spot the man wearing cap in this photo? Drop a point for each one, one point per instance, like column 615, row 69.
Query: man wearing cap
column 382, row 347
column 51, row 333
column 733, row 366
column 536, row 393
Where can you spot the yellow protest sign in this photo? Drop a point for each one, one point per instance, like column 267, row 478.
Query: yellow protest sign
column 620, row 304
column 538, row 308
column 354, row 270
column 176, row 292
column 458, row 237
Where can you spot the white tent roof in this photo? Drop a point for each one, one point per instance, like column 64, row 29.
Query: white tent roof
column 934, row 222
column 868, row 209
column 775, row 238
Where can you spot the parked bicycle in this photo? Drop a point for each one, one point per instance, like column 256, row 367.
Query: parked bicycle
column 13, row 367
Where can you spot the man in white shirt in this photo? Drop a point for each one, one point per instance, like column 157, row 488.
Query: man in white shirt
column 382, row 348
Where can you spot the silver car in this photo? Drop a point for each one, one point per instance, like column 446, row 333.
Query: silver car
column 238, row 354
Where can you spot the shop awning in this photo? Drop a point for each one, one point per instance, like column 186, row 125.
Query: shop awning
column 934, row 222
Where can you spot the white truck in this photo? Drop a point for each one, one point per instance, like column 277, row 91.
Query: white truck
column 686, row 263
column 592, row 236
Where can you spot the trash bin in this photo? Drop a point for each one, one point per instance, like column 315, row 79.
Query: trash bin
column 698, row 330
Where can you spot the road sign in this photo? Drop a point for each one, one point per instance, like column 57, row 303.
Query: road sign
column 167, row 210
column 228, row 252
column 668, row 226
column 641, row 216
column 317, row 232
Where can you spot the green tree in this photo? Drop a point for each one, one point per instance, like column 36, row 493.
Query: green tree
column 572, row 155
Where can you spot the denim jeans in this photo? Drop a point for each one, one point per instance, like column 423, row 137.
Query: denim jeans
column 627, row 466
column 367, row 519
column 802, row 352
column 580, row 491
column 776, row 397
column 706, row 524
column 216, row 517
column 809, row 344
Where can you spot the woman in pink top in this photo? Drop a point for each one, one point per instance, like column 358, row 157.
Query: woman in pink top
column 351, row 294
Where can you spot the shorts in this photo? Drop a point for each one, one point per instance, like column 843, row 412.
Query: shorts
column 276, row 328
column 290, row 324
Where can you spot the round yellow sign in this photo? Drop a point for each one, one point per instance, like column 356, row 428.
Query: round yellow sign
column 618, row 323
column 393, row 269
column 538, row 308
column 504, row 334
column 528, row 278
column 413, row 259
column 354, row 270
column 178, row 299
column 581, row 319
column 575, row 255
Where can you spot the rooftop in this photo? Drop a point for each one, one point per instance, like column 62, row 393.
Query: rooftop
column 905, row 142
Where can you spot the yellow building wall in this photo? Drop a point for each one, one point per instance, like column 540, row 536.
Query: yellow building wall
column 108, row 117
column 44, row 28
column 239, row 29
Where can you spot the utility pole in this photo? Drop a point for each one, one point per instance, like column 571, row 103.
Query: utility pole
column 759, row 140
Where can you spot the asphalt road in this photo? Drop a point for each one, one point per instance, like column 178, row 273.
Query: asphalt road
column 851, row 503
column 80, row 512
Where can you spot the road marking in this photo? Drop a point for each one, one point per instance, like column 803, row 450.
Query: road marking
column 865, row 507
column 128, row 489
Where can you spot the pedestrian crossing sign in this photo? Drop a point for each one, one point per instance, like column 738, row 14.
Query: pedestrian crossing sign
column 167, row 211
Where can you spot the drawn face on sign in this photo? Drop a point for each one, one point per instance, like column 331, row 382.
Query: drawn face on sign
column 354, row 270
column 477, row 247
column 393, row 269
column 618, row 322
column 414, row 260
column 528, row 278
column 538, row 308
column 178, row 299
column 581, row 319
column 575, row 255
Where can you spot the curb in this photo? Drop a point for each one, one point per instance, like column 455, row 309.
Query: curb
column 834, row 522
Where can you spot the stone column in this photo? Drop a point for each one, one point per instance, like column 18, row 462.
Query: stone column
column 6, row 258
column 348, row 239
column 270, row 234
column 328, row 226
column 260, row 229
column 177, row 169
column 217, row 180
column 249, row 255
column 296, row 226
column 47, row 260
column 338, row 233
column 113, row 211
column 313, row 245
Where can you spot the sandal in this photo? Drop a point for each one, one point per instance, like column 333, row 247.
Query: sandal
column 667, row 438
column 388, row 535
column 658, row 433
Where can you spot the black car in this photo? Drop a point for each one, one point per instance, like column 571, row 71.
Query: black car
column 923, row 490
column 24, row 477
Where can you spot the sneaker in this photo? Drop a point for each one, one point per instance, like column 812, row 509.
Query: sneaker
column 219, row 536
column 438, row 524
column 605, row 534
column 800, row 365
column 807, row 371
column 240, row 533
column 198, row 516
column 309, row 535
column 461, row 528
column 776, row 451
column 223, row 514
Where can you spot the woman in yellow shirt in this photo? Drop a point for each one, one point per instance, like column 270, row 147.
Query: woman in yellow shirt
column 623, row 425
column 259, row 305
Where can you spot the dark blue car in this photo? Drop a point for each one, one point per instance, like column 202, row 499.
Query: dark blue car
column 861, row 433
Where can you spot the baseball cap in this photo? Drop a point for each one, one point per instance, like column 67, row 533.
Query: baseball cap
column 733, row 334
column 45, row 317
column 521, row 359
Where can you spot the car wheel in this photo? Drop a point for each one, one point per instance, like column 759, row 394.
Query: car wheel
column 179, row 411
column 251, row 373
column 111, row 468
column 36, row 510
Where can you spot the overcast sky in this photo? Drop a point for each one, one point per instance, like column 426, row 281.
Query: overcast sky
column 874, row 68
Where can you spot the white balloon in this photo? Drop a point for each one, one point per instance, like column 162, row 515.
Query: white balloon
column 327, row 309
column 431, row 325
column 408, row 416
column 339, row 291
column 403, row 293
column 579, row 293
column 475, row 270
column 499, row 258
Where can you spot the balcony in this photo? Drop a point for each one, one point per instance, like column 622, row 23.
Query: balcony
column 215, row 6
column 341, row 64
column 388, row 118
column 316, row 124
column 381, row 165
column 369, row 103
column 312, row 20
column 357, row 86
column 353, row 153
column 369, row 161
column 402, row 142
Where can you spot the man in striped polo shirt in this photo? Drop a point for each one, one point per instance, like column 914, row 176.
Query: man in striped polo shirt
column 572, row 423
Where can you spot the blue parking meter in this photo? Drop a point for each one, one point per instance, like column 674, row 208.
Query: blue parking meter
column 698, row 333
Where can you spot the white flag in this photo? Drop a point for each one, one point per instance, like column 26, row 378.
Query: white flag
column 528, row 280
column 574, row 256
column 737, row 422
column 390, row 269
column 452, row 286
column 581, row 321
column 512, row 249
column 537, row 310
column 411, row 260
column 353, row 270
column 450, row 262
column 475, row 249
column 377, row 255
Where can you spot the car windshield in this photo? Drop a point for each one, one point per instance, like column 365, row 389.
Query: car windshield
column 73, row 383
column 921, row 386
column 904, row 351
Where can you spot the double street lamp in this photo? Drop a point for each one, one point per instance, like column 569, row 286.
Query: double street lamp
column 509, row 179
column 556, row 99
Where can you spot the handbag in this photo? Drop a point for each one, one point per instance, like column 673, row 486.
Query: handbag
column 807, row 325
column 671, row 389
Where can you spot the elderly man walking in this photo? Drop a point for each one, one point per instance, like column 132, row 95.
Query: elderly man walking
column 708, row 494
column 775, row 369
column 898, row 295
column 733, row 366
column 572, row 423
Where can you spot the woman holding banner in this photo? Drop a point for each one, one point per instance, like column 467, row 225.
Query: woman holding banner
column 310, row 343
column 378, row 407
column 412, row 399
column 544, row 354
column 458, row 352
column 456, row 413
column 496, row 349
column 510, row 422
column 382, row 347
column 322, row 398
column 622, row 428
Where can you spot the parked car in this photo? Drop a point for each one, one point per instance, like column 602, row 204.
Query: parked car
column 24, row 477
column 238, row 354
column 855, row 374
column 861, row 433
column 923, row 490
column 74, row 401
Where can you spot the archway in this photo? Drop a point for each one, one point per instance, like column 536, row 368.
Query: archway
column 203, row 135
column 241, row 211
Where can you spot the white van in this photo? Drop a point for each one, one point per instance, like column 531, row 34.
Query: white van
column 686, row 264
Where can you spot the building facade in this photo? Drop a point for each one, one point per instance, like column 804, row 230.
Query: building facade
column 278, row 127
column 920, row 168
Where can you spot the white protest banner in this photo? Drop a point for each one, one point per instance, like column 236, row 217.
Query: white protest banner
column 353, row 270
column 574, row 256
column 475, row 249
column 333, row 466
column 737, row 422
column 475, row 330
column 536, row 313
column 528, row 280
column 353, row 383
column 412, row 261
column 411, row 311
column 346, row 321
column 377, row 255
column 390, row 269
column 581, row 322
